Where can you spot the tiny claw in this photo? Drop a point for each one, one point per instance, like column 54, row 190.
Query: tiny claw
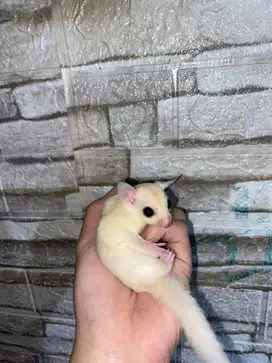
column 161, row 244
column 168, row 257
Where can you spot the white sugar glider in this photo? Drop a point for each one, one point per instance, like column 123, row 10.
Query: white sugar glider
column 144, row 266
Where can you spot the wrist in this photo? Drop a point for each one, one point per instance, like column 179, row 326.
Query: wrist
column 84, row 352
column 95, row 356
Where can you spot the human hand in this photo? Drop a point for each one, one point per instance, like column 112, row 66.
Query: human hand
column 113, row 323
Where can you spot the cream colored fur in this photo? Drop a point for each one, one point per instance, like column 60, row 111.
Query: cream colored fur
column 141, row 265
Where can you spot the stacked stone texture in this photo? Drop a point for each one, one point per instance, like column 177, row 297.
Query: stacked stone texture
column 92, row 93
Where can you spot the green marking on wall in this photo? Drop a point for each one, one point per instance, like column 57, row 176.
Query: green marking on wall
column 248, row 273
column 231, row 246
column 227, row 240
column 241, row 203
column 268, row 251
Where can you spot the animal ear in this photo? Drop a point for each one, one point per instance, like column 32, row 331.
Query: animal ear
column 165, row 185
column 126, row 193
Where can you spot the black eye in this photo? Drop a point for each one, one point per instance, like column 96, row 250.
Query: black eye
column 169, row 203
column 148, row 212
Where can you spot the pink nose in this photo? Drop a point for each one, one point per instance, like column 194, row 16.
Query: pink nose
column 164, row 222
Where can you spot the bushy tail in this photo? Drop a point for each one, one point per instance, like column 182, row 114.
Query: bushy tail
column 196, row 328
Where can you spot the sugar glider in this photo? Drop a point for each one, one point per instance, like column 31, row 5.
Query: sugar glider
column 145, row 266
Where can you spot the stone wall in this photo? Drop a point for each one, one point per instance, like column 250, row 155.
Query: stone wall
column 94, row 92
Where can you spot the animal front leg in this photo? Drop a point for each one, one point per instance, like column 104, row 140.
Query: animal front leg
column 153, row 248
column 144, row 247
column 168, row 257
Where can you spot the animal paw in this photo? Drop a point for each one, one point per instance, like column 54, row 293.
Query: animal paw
column 168, row 257
column 153, row 248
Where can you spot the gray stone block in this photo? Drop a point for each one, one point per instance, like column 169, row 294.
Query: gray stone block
column 27, row 40
column 133, row 125
column 230, row 223
column 59, row 229
column 202, row 197
column 40, row 99
column 40, row 138
column 229, row 327
column 47, row 345
column 232, row 76
column 263, row 348
column 24, row 6
column 23, row 323
column 268, row 335
column 8, row 108
column 229, row 304
column 46, row 177
column 53, row 291
column 234, row 343
column 252, row 196
column 13, row 354
column 268, row 321
column 249, row 358
column 61, row 331
column 89, row 127
column 19, row 77
column 3, row 203
column 101, row 166
column 211, row 118
column 55, row 359
column 186, row 79
column 102, row 39
column 238, row 162
column 249, row 277
column 55, row 318
column 57, row 300
column 168, row 121
column 245, row 19
column 80, row 200
column 13, row 284
column 237, row 343
column 221, row 250
column 36, row 204
column 47, row 254
column 168, row 27
column 185, row 355
column 117, row 88
column 240, row 343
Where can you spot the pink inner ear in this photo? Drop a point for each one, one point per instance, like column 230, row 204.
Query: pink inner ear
column 129, row 197
column 127, row 193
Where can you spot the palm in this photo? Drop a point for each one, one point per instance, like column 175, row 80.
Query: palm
column 146, row 322
column 117, row 314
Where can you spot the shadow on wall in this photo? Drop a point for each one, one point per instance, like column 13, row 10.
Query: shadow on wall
column 203, row 302
column 95, row 92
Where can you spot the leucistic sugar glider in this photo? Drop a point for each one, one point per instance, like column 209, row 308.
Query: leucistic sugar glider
column 145, row 266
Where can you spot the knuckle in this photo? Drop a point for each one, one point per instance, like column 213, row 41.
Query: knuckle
column 181, row 225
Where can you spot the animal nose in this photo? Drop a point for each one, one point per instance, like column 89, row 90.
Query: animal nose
column 164, row 222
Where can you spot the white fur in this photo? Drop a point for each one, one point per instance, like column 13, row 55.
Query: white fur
column 140, row 265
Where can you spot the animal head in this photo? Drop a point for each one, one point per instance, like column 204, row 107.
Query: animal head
column 148, row 201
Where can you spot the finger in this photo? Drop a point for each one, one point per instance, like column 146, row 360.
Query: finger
column 177, row 239
column 178, row 214
column 92, row 218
